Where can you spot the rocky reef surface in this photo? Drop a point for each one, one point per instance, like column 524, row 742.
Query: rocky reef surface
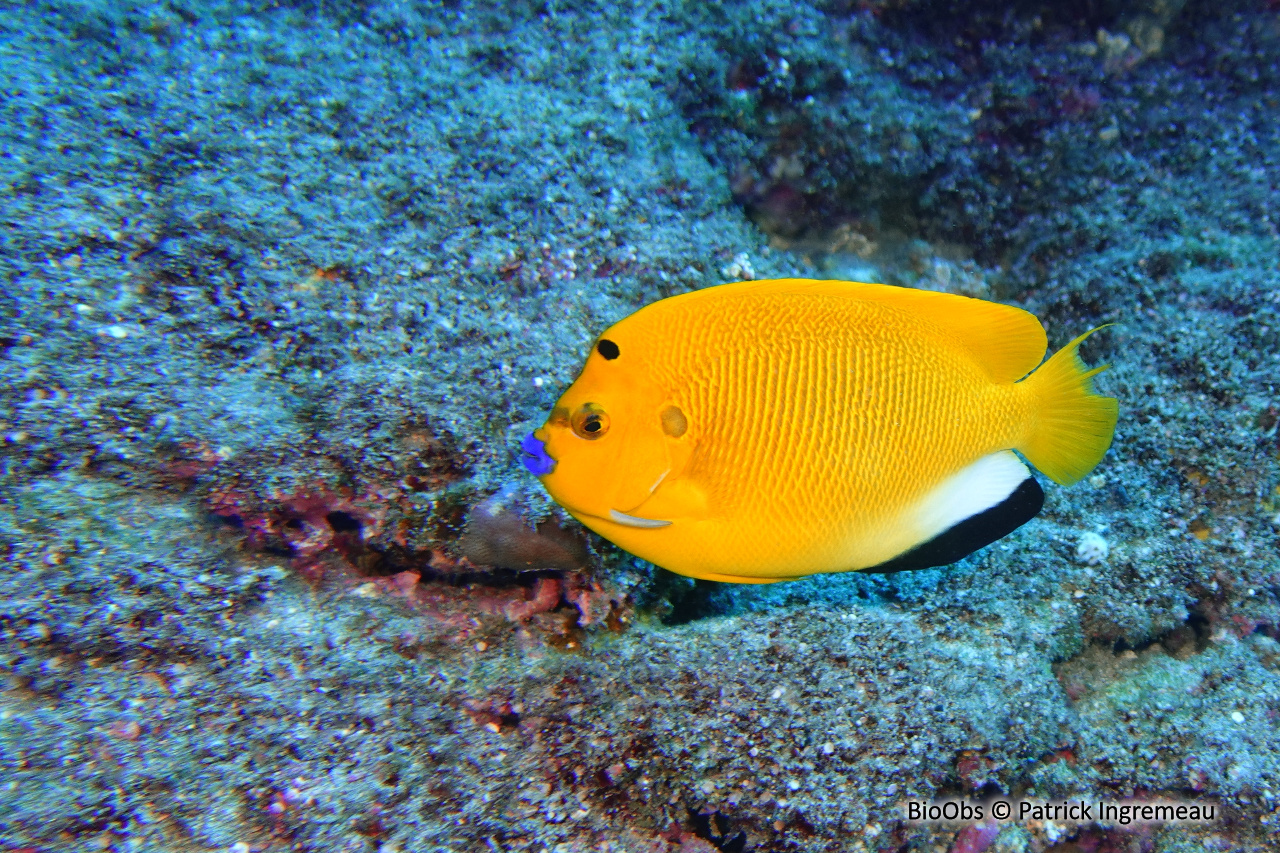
column 285, row 283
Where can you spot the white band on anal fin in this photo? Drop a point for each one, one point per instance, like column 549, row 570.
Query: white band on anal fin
column 975, row 489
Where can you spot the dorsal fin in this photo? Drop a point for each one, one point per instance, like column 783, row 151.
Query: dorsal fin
column 1007, row 341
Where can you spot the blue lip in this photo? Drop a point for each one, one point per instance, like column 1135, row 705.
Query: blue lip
column 533, row 455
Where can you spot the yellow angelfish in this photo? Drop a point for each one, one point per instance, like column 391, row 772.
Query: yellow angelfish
column 767, row 430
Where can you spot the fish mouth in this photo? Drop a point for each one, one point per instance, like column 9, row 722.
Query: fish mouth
column 635, row 520
column 533, row 456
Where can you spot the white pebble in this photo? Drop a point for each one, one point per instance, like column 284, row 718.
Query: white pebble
column 1092, row 549
column 1237, row 716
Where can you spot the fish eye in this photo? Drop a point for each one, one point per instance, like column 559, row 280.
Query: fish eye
column 590, row 422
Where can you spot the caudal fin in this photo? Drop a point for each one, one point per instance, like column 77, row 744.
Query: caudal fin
column 1071, row 424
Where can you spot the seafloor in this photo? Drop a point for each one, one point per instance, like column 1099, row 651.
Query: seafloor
column 286, row 282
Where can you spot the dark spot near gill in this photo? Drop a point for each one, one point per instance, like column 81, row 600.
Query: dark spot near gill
column 608, row 349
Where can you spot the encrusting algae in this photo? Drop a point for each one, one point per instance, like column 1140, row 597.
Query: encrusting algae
column 766, row 430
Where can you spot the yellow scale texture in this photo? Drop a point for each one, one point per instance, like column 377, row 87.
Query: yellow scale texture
column 764, row 430
column 820, row 420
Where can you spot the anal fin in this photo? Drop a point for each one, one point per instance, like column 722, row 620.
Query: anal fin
column 985, row 502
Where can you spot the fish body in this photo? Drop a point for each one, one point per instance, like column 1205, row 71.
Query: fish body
column 767, row 430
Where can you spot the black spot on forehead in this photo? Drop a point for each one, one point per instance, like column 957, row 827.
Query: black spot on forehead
column 608, row 349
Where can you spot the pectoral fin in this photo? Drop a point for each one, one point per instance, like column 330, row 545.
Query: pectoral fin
column 677, row 499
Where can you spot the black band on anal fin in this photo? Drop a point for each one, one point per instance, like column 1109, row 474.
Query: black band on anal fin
column 977, row 531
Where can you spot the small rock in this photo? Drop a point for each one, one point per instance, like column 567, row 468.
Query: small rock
column 1092, row 549
column 497, row 534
